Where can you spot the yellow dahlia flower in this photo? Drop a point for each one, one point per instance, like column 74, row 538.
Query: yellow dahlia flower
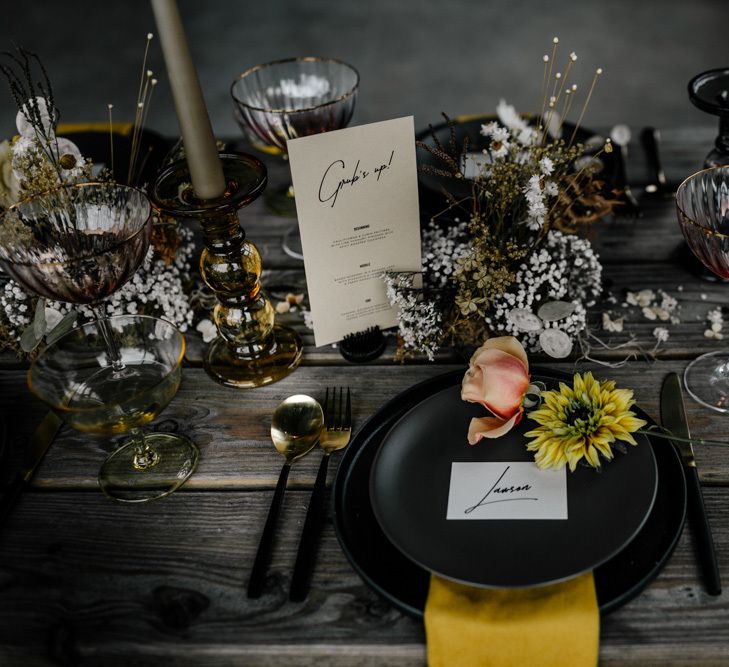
column 581, row 421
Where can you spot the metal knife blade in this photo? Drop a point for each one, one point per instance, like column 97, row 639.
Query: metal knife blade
column 673, row 417
column 38, row 445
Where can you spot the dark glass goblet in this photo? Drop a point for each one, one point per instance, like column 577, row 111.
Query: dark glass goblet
column 702, row 206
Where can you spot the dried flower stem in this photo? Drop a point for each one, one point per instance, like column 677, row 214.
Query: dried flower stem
column 111, row 137
column 543, row 89
column 598, row 72
column 144, row 67
column 26, row 92
column 144, row 80
column 555, row 41
column 572, row 184
column 567, row 69
column 569, row 97
column 660, row 432
column 138, row 168
column 553, row 102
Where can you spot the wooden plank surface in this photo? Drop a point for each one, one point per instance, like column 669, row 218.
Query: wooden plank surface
column 231, row 428
column 101, row 583
column 86, row 581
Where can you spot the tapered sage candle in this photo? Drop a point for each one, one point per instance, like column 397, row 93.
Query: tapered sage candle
column 206, row 170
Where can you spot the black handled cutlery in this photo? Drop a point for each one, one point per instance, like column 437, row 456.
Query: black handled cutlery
column 673, row 418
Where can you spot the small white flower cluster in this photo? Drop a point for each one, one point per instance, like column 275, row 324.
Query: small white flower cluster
column 442, row 248
column 716, row 324
column 564, row 268
column 536, row 192
column 15, row 309
column 29, row 143
column 660, row 334
column 511, row 119
column 654, row 305
column 419, row 321
column 512, row 130
column 207, row 329
column 499, row 136
column 536, row 207
column 290, row 304
column 155, row 289
column 612, row 325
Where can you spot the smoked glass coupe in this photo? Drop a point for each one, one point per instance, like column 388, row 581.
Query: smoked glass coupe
column 702, row 206
column 78, row 243
column 292, row 98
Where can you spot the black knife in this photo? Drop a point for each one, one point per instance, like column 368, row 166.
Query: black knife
column 649, row 138
column 38, row 445
column 673, row 417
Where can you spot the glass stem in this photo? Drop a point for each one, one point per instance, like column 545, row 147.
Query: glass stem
column 144, row 456
column 112, row 348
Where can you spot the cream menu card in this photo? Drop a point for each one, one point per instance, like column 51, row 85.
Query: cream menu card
column 357, row 204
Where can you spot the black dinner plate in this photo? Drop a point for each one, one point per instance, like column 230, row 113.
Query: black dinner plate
column 470, row 126
column 410, row 487
column 405, row 585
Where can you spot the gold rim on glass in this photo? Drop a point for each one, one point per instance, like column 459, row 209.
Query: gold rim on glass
column 307, row 59
column 118, row 243
column 686, row 216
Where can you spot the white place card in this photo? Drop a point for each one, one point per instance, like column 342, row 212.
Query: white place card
column 357, row 203
column 508, row 490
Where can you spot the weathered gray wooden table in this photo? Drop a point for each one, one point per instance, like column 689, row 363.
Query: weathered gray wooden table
column 85, row 581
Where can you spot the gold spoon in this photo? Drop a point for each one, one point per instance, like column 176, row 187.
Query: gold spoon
column 295, row 428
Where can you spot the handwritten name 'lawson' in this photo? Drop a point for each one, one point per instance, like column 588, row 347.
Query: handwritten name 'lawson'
column 502, row 494
column 332, row 184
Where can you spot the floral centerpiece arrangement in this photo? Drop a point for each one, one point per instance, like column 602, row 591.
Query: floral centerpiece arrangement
column 513, row 265
column 37, row 160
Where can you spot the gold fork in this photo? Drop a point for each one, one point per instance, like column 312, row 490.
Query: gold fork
column 335, row 436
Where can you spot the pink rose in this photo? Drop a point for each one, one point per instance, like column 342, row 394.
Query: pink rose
column 497, row 378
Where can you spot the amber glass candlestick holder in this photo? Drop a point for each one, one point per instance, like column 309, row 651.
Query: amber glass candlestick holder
column 250, row 350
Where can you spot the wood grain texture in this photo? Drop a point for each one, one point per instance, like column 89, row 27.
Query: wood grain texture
column 85, row 581
column 91, row 582
column 231, row 428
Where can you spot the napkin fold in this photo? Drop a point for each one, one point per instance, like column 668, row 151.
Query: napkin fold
column 554, row 625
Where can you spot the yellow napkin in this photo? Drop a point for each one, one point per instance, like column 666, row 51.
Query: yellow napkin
column 553, row 625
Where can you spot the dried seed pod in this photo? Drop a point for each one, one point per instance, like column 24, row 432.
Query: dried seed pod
column 67, row 161
column 555, row 343
column 524, row 320
column 556, row 310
